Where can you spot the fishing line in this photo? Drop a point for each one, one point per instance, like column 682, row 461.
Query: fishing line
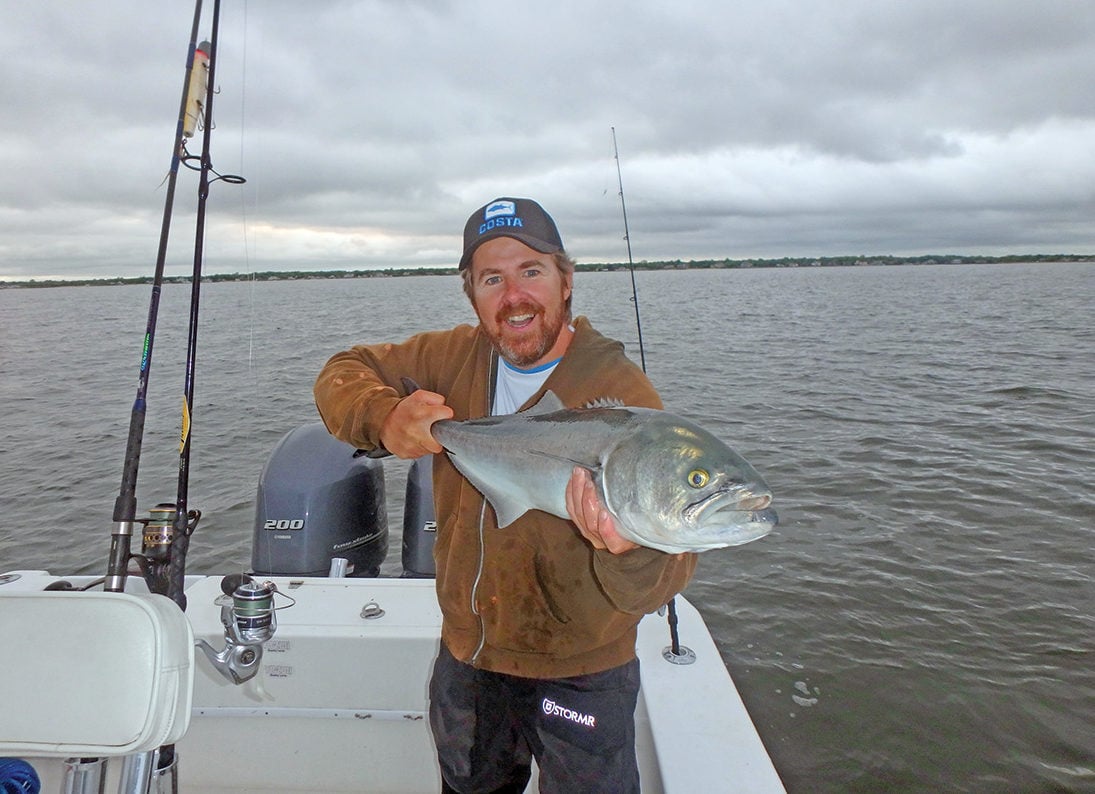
column 674, row 651
column 243, row 202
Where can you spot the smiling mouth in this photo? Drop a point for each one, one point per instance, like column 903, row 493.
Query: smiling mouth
column 520, row 320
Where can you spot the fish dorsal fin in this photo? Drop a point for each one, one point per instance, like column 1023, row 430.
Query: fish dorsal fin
column 548, row 404
column 605, row 402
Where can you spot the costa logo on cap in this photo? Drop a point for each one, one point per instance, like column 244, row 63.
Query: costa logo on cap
column 500, row 214
column 498, row 208
column 519, row 218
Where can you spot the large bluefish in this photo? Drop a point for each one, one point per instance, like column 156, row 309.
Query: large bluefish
column 670, row 484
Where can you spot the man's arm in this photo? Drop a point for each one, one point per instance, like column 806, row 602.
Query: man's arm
column 359, row 399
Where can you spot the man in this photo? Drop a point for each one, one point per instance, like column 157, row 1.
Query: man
column 538, row 630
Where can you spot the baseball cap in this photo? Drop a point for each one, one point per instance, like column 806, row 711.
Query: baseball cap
column 520, row 218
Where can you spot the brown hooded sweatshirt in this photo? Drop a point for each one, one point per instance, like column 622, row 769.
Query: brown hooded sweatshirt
column 534, row 599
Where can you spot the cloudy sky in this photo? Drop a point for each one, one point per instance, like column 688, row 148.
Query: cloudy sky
column 368, row 131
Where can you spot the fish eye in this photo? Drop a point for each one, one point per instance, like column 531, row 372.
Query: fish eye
column 698, row 478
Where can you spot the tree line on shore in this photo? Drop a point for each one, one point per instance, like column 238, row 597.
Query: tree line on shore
column 695, row 264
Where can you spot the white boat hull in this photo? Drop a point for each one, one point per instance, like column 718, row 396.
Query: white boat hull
column 340, row 704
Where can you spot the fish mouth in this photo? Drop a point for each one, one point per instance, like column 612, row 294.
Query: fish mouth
column 737, row 527
column 732, row 517
column 744, row 500
column 755, row 523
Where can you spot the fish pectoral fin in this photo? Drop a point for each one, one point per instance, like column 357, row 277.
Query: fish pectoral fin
column 593, row 466
column 506, row 516
column 506, row 509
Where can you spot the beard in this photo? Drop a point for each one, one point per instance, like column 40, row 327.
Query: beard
column 523, row 347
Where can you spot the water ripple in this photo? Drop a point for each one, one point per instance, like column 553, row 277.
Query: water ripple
column 921, row 619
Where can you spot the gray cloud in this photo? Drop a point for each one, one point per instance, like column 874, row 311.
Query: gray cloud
column 369, row 130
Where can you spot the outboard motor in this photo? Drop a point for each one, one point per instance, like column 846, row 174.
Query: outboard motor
column 419, row 525
column 318, row 500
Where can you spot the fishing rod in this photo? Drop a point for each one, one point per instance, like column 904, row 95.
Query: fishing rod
column 630, row 262
column 125, row 506
column 166, row 534
column 185, row 520
column 137, row 770
column 675, row 653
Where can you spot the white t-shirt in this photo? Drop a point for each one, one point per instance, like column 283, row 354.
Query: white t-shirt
column 513, row 386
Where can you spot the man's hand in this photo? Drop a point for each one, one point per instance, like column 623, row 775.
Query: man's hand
column 591, row 517
column 406, row 431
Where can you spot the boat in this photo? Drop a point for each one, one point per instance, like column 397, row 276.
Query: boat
column 308, row 672
column 324, row 684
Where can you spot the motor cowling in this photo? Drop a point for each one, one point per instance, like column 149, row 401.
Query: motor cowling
column 419, row 525
column 318, row 500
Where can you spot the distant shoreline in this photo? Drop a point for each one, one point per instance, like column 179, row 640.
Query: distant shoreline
column 701, row 264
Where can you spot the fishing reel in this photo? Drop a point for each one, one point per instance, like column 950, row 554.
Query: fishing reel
column 159, row 532
column 247, row 614
column 158, row 539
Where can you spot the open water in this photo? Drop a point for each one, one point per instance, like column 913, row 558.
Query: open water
column 923, row 619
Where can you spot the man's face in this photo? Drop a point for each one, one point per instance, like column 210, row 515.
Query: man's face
column 520, row 296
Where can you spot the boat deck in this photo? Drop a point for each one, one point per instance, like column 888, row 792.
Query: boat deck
column 341, row 702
